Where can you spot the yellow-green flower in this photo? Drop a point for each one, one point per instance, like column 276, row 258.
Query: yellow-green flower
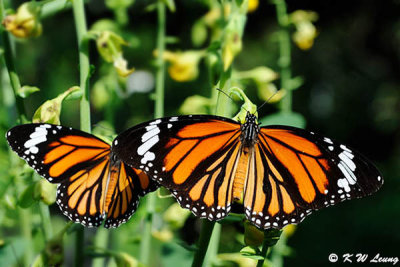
column 175, row 216
column 49, row 111
column 164, row 235
column 25, row 23
column 305, row 32
column 109, row 45
column 195, row 104
column 184, row 65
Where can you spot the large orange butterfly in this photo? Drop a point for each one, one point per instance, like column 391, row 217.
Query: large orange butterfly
column 93, row 183
column 281, row 173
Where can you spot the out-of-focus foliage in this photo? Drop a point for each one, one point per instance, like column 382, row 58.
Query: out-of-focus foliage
column 344, row 68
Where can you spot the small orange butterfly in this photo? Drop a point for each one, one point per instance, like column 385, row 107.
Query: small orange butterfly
column 93, row 182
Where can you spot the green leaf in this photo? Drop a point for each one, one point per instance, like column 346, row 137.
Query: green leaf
column 252, row 235
column 284, row 118
column 11, row 251
column 170, row 4
column 26, row 91
column 39, row 261
column 295, row 83
column 214, row 47
column 251, row 252
column 271, row 236
column 27, row 198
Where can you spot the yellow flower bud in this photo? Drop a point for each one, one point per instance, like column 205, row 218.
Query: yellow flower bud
column 175, row 216
column 253, row 4
column 184, row 65
column 195, row 104
column 252, row 235
column 305, row 35
column 124, row 259
column 289, row 230
column 260, row 74
column 25, row 23
column 45, row 191
column 269, row 92
column 305, row 30
column 163, row 235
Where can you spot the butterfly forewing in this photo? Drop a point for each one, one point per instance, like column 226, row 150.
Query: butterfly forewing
column 194, row 157
column 92, row 185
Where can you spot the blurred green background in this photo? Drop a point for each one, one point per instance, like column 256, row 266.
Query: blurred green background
column 350, row 92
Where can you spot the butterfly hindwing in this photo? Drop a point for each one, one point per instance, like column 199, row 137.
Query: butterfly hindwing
column 304, row 172
column 82, row 196
column 124, row 192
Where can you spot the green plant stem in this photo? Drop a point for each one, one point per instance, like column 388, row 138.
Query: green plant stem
column 51, row 8
column 100, row 240
column 84, row 73
column 264, row 252
column 46, row 221
column 146, row 243
column 9, row 61
column 24, row 215
column 160, row 78
column 84, row 65
column 204, row 240
column 213, row 247
column 285, row 54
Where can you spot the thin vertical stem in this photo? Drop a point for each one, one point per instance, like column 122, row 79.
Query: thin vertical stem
column 213, row 247
column 264, row 252
column 285, row 54
column 159, row 104
column 14, row 79
column 204, row 240
column 84, row 72
column 145, row 246
column 84, row 65
column 46, row 222
column 24, row 215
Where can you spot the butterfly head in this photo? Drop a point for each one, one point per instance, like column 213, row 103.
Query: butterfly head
column 250, row 129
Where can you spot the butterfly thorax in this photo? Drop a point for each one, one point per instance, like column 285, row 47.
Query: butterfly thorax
column 250, row 130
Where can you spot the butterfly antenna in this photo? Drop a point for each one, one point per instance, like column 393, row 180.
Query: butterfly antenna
column 225, row 94
column 266, row 101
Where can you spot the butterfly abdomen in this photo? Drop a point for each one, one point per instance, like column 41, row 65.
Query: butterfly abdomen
column 241, row 174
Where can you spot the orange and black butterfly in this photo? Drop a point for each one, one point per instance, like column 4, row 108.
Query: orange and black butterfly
column 281, row 173
column 93, row 182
